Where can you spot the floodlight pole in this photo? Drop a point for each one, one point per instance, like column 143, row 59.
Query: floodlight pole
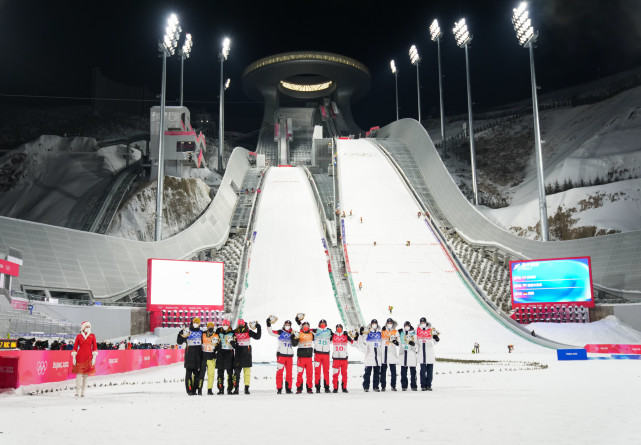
column 221, row 131
column 161, row 147
column 545, row 233
column 471, row 129
column 396, row 83
column 418, row 90
column 182, row 68
column 440, row 89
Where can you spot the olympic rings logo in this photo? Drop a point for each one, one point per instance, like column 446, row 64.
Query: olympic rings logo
column 41, row 367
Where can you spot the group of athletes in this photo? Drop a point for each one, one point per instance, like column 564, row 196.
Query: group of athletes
column 385, row 347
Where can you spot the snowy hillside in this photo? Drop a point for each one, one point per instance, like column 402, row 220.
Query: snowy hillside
column 184, row 200
column 584, row 147
column 55, row 180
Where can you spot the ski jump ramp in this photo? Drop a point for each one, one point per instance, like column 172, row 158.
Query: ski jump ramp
column 418, row 279
column 288, row 270
column 58, row 258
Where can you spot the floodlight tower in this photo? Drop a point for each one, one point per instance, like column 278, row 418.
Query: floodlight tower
column 222, row 56
column 184, row 54
column 395, row 72
column 527, row 36
column 416, row 59
column 435, row 35
column 463, row 39
column 167, row 48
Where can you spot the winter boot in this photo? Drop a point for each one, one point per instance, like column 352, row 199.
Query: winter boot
column 279, row 391
column 327, row 389
column 335, row 391
column 383, row 388
column 423, row 388
column 414, row 389
column 247, row 390
column 404, row 389
column 364, row 389
column 309, row 390
column 235, row 392
column 377, row 390
column 299, row 389
column 345, row 390
column 393, row 388
column 429, row 388
column 317, row 389
column 210, row 392
column 221, row 390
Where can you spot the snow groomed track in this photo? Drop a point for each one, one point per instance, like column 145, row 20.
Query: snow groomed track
column 288, row 270
column 417, row 280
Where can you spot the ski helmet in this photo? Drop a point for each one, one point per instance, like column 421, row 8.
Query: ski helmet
column 407, row 323
column 389, row 320
column 373, row 321
column 287, row 322
column 322, row 322
column 423, row 320
column 305, row 323
column 241, row 322
column 339, row 326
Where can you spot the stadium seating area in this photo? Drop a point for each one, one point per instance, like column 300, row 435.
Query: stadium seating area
column 551, row 313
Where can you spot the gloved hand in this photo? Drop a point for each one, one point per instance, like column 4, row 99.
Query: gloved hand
column 299, row 317
column 268, row 323
column 435, row 337
column 395, row 342
column 411, row 343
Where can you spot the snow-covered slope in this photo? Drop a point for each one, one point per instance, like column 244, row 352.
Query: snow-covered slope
column 288, row 267
column 55, row 180
column 417, row 280
column 608, row 207
column 184, row 200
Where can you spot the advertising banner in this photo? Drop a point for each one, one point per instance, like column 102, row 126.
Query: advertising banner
column 613, row 349
column 9, row 268
column 571, row 354
column 32, row 367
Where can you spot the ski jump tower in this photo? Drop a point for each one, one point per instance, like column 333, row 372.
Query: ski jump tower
column 300, row 90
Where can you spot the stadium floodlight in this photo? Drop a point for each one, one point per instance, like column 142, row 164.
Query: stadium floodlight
column 416, row 60
column 222, row 56
column 227, row 83
column 463, row 39
column 184, row 54
column 527, row 36
column 435, row 35
column 392, row 65
column 167, row 47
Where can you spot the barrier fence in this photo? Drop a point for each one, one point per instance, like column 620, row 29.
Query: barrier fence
column 19, row 368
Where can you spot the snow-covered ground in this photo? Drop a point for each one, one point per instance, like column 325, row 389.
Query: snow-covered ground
column 512, row 400
column 288, row 267
column 587, row 142
column 185, row 199
column 55, row 180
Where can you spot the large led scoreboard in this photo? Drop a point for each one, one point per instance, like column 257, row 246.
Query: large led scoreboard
column 178, row 290
column 566, row 281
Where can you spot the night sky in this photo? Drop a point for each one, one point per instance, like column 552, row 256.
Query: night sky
column 49, row 47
